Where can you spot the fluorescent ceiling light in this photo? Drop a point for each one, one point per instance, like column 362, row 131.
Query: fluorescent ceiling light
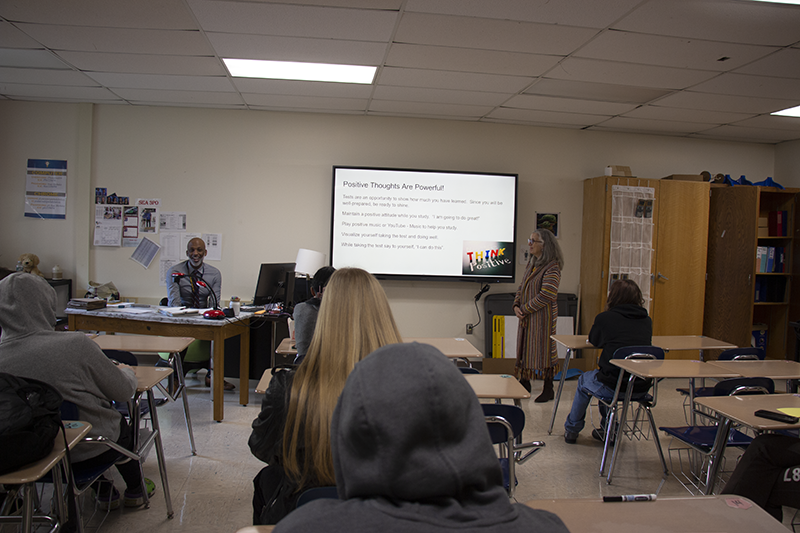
column 791, row 112
column 796, row 2
column 288, row 70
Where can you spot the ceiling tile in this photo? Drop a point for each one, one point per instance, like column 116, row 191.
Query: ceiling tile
column 438, row 96
column 58, row 92
column 784, row 63
column 598, row 71
column 35, row 76
column 178, row 97
column 390, row 5
column 654, row 126
column 567, row 105
column 144, row 63
column 11, row 37
column 469, row 60
column 737, row 133
column 168, row 42
column 294, row 21
column 163, row 82
column 405, row 77
column 545, row 117
column 428, row 109
column 489, row 34
column 746, row 85
column 685, row 115
column 717, row 20
column 724, row 103
column 604, row 92
column 305, row 102
column 11, row 57
column 671, row 51
column 302, row 88
column 587, row 13
column 772, row 122
column 297, row 49
column 139, row 14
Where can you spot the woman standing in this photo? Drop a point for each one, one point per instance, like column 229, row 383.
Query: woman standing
column 536, row 308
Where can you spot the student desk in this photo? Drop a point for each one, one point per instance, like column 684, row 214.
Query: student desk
column 656, row 369
column 153, row 344
column 770, row 368
column 28, row 475
column 154, row 323
column 666, row 342
column 148, row 377
column 453, row 347
column 497, row 387
column 741, row 409
column 704, row 514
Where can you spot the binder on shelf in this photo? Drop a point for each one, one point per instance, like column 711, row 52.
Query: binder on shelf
column 761, row 259
column 780, row 259
column 770, row 259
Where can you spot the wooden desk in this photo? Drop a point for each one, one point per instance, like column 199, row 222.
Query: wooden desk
column 666, row 342
column 497, row 387
column 287, row 347
column 154, row 323
column 741, row 409
column 450, row 346
column 148, row 377
column 154, row 344
column 28, row 475
column 705, row 514
column 770, row 368
column 650, row 369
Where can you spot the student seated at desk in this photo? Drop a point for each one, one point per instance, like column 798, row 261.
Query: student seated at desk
column 305, row 313
column 759, row 475
column 411, row 452
column 625, row 323
column 78, row 369
column 292, row 432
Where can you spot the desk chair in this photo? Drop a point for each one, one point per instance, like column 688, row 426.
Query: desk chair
column 645, row 402
column 469, row 370
column 750, row 353
column 505, row 423
column 699, row 440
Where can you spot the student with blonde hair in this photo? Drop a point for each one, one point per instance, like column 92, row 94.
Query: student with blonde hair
column 292, row 432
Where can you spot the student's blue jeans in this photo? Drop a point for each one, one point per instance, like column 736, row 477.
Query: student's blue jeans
column 588, row 386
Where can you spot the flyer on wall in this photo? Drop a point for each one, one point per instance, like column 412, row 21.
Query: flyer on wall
column 148, row 215
column 107, row 225
column 46, row 189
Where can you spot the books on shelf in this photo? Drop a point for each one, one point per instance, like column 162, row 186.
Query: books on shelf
column 87, row 303
column 770, row 259
column 778, row 223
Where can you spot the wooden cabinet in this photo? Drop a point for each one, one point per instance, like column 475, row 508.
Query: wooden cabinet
column 678, row 263
column 739, row 294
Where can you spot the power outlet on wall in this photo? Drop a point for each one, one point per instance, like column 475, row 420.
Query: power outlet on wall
column 469, row 329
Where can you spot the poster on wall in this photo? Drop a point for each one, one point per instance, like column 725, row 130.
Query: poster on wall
column 172, row 221
column 130, row 226
column 148, row 215
column 145, row 252
column 107, row 225
column 46, row 189
column 548, row 221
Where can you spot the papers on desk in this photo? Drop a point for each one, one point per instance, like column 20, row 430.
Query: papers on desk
column 178, row 311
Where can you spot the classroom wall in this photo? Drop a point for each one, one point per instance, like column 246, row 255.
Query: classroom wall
column 263, row 179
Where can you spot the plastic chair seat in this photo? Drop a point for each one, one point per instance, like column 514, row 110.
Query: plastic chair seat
column 702, row 437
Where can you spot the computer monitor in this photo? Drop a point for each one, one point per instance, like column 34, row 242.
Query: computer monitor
column 275, row 285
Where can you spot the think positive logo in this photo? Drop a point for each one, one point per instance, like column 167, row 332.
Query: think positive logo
column 480, row 259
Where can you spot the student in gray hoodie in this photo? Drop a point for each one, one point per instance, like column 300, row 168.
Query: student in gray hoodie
column 411, row 452
column 76, row 366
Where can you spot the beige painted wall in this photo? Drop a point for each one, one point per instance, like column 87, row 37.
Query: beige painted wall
column 263, row 181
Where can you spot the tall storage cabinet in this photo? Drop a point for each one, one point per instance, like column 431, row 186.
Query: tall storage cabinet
column 678, row 265
column 741, row 294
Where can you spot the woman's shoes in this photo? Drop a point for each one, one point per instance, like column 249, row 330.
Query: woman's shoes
column 526, row 383
column 547, row 392
column 228, row 386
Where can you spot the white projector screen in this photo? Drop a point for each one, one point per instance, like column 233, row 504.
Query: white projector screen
column 424, row 224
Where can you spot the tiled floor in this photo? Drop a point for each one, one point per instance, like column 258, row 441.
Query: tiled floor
column 212, row 491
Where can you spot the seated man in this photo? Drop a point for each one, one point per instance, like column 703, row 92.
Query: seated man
column 305, row 314
column 192, row 283
column 625, row 323
column 411, row 452
column 760, row 473
column 76, row 366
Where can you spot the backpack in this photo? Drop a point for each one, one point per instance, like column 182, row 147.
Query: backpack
column 30, row 419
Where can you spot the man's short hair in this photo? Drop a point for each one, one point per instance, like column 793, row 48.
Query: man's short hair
column 321, row 278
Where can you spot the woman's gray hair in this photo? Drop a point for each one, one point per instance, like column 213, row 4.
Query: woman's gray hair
column 551, row 251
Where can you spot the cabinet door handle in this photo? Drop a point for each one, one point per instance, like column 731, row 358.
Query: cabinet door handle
column 662, row 276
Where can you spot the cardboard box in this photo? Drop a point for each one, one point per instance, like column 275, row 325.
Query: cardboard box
column 499, row 365
column 618, row 171
column 684, row 177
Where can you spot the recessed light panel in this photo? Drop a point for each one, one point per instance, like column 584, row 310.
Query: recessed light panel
column 791, row 112
column 289, row 70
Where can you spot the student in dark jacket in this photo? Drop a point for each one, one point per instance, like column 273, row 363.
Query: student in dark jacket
column 411, row 452
column 625, row 323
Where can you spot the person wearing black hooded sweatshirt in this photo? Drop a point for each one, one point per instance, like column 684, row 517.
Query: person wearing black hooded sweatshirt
column 625, row 323
column 411, row 452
